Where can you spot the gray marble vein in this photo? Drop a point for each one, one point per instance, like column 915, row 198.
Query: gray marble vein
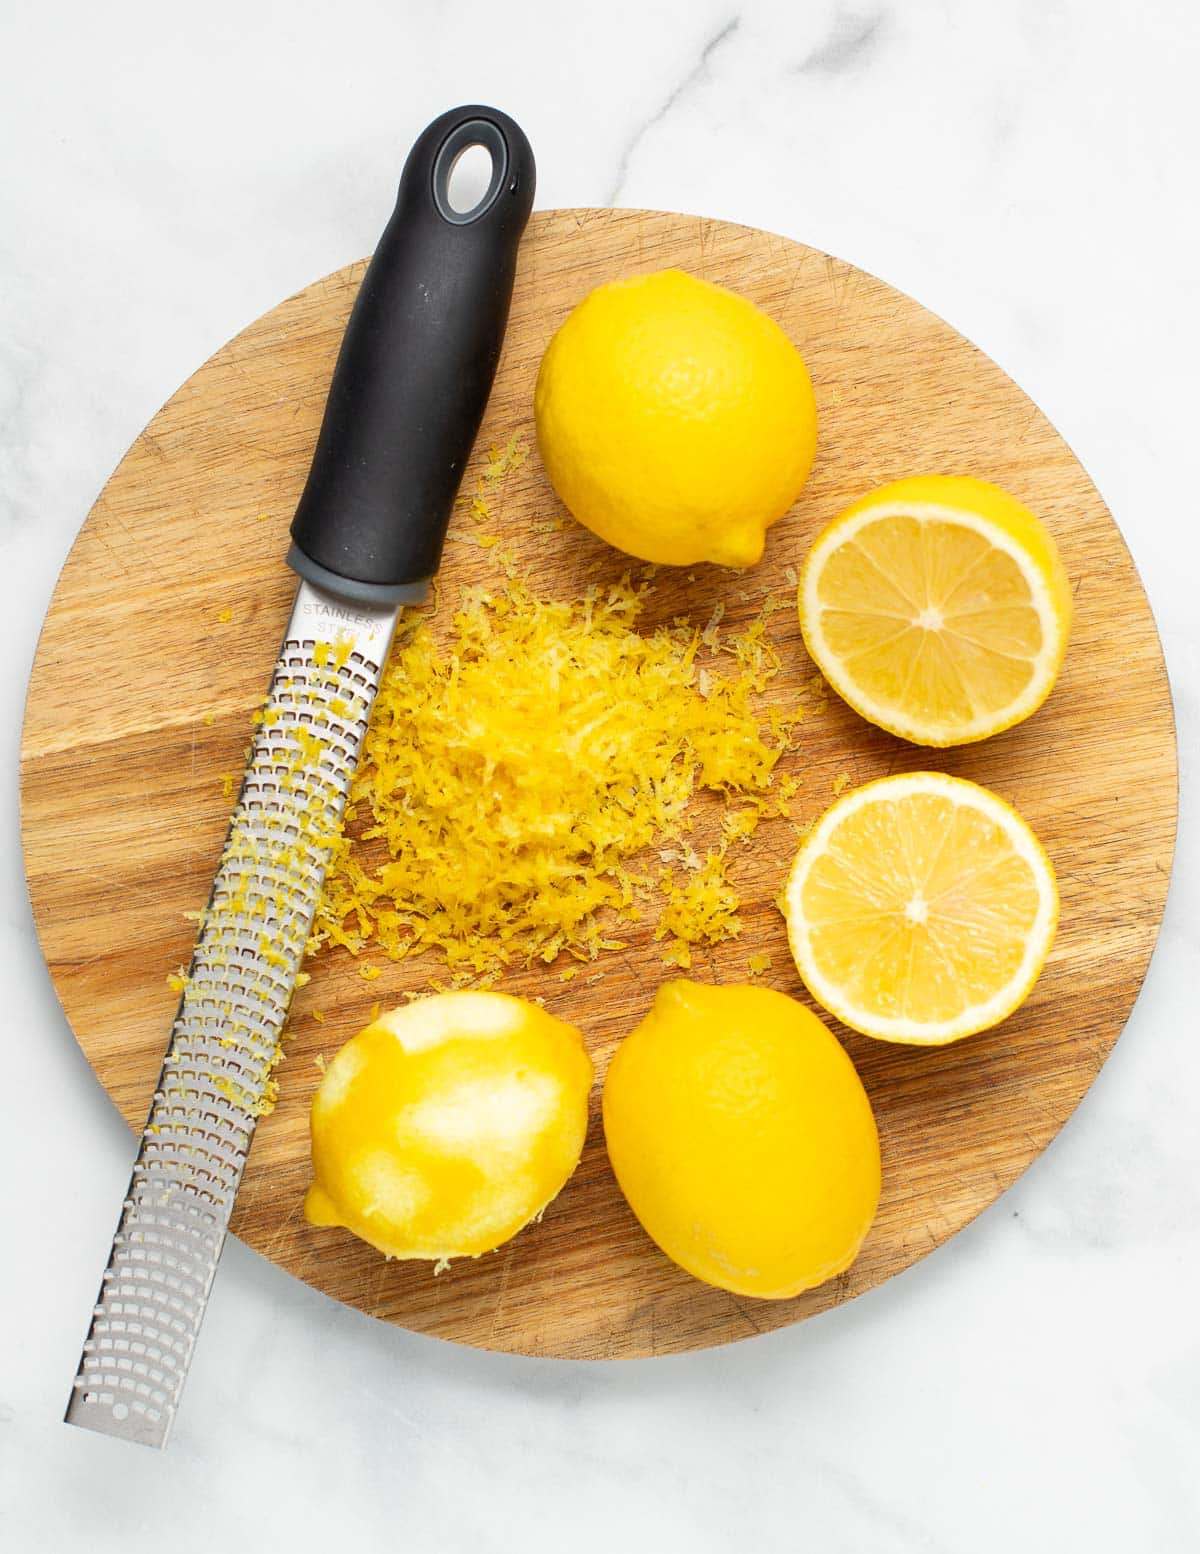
column 674, row 97
column 852, row 40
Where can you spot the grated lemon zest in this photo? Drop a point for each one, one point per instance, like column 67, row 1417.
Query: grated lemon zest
column 513, row 773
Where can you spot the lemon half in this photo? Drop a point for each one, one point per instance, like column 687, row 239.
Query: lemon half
column 921, row 908
column 938, row 608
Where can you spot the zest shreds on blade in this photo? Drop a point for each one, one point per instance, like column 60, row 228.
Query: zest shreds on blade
column 217, row 1077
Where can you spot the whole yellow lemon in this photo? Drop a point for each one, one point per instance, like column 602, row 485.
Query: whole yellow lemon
column 448, row 1124
column 675, row 419
column 743, row 1139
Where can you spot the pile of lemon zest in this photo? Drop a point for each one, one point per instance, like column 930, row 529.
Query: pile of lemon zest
column 517, row 764
column 757, row 964
column 177, row 980
column 702, row 908
column 225, row 616
column 740, row 825
column 369, row 973
column 262, row 517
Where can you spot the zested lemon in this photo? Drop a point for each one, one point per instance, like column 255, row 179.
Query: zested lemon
column 938, row 608
column 446, row 1125
column 675, row 419
column 921, row 909
column 743, row 1138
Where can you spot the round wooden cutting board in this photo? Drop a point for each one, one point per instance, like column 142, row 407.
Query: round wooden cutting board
column 161, row 637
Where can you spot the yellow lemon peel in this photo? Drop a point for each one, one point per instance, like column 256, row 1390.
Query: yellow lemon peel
column 676, row 419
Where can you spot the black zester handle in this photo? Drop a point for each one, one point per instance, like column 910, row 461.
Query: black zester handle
column 415, row 369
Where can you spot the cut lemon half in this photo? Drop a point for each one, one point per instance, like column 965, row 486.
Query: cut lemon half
column 938, row 608
column 921, row 909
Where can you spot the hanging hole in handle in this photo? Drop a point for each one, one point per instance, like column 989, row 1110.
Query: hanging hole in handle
column 472, row 153
column 469, row 179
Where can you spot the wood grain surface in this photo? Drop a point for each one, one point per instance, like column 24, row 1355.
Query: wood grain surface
column 141, row 699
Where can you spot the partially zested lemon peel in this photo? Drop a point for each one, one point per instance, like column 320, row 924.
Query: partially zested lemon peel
column 446, row 1125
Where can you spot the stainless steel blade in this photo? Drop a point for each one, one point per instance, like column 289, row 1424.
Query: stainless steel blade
column 216, row 1079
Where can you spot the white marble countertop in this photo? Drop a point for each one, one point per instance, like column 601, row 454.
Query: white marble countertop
column 1029, row 171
